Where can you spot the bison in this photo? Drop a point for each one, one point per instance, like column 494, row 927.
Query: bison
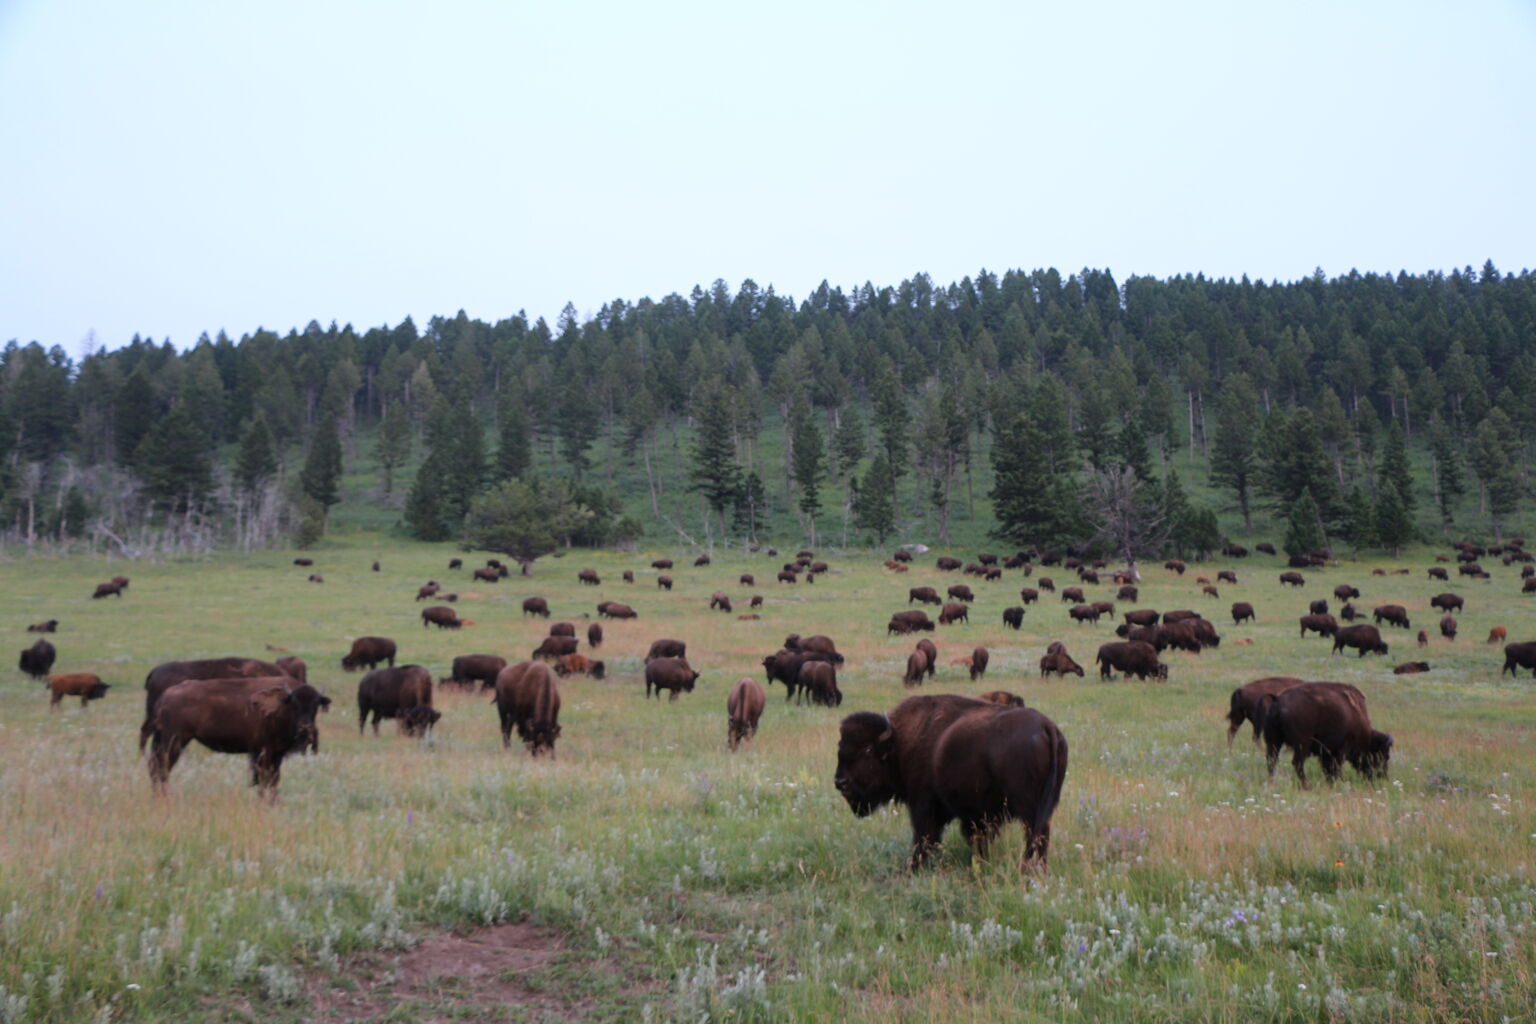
column 980, row 658
column 552, row 647
column 85, row 685
column 662, row 563
column 1448, row 626
column 666, row 648
column 295, row 667
column 1046, row 583
column 429, row 589
column 1129, row 592
column 1364, row 638
column 1345, row 592
column 1072, row 594
column 1141, row 617
column 663, row 582
column 908, row 622
column 788, row 577
column 562, row 629
column 441, row 616
column 1029, row 595
column 817, row 642
column 961, row 592
column 390, row 693
column 536, row 606
column 629, row 576
column 1411, row 668
column 455, row 563
column 818, row 680
column 671, row 674
column 1447, row 602
column 1396, row 614
column 1437, row 573
column 747, row 580
column 594, row 636
column 917, row 666
column 368, row 651
column 1349, row 613
column 588, row 577
column 1326, row 719
column 924, row 595
column 947, row 564
column 1059, row 662
column 949, row 757
column 1084, row 613
column 1132, row 657
column 1318, row 607
column 51, row 626
column 37, row 660
column 1002, row 697
column 572, row 664
column 528, row 700
column 701, row 561
column 486, row 575
column 1242, row 611
column 1322, row 625
column 1227, row 576
column 614, row 610
column 1518, row 656
column 167, row 674
column 1294, row 579
column 475, row 668
column 1247, row 699
column 263, row 718
column 743, row 709
column 953, row 612
column 719, row 599
column 1014, row 617
column 108, row 590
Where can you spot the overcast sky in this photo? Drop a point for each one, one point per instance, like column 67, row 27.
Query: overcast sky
column 171, row 167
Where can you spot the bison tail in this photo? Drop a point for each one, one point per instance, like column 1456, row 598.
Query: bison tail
column 1236, row 714
column 1269, row 720
column 1050, row 789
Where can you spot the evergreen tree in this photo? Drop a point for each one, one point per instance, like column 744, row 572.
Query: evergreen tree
column 1394, row 526
column 173, row 462
column 850, row 440
column 1494, row 454
column 1235, row 457
column 751, row 506
column 514, row 454
column 133, row 414
column 1360, row 520
column 1094, row 415
column 891, row 420
column 576, row 421
column 456, row 444
column 424, row 515
column 1304, row 530
column 255, row 464
column 1297, row 464
column 714, row 472
column 321, row 476
column 392, row 447
column 1034, row 506
column 1394, row 470
column 875, row 508
column 514, row 519
column 808, row 463
column 1449, row 482
column 1131, row 450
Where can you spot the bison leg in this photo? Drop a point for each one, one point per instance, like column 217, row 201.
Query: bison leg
column 671, row 695
column 162, row 758
column 1271, row 756
column 1298, row 761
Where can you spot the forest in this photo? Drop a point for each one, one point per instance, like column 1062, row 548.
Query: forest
column 1142, row 417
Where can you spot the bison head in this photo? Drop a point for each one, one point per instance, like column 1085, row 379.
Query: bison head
column 540, row 738
column 1377, row 753
column 97, row 691
column 866, row 762
column 418, row 721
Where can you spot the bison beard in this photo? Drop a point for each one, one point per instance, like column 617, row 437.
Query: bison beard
column 954, row 758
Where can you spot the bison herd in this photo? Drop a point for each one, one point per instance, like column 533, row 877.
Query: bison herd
column 981, row 761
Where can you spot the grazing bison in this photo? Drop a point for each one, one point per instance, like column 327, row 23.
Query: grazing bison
column 562, row 629
column 588, row 577
column 662, row 563
column 986, row 559
column 1174, row 565
column 1349, row 613
column 907, row 622
column 1437, row 573
column 304, row 561
column 629, row 576
column 743, row 709
column 949, row 757
column 818, row 680
column 1133, row 657
column 1029, row 595
column 1210, row 591
column 1235, row 551
column 917, row 666
column 671, row 674
column 51, row 626
column 475, row 668
column 954, row 611
column 1529, row 586
column 1345, row 592
column 947, row 564
column 614, row 610
column 441, row 616
column 666, row 648
column 536, row 606
column 108, row 590
column 701, row 560
column 816, row 643
column 1322, row 625
column 528, row 700
column 37, row 660
column 1226, row 576
column 785, row 667
column 1002, row 697
column 1448, row 626
column 1083, row 613
column 367, row 652
column 1447, row 602
column 1318, row 607
column 390, row 692
column 980, row 658
column 1247, row 699
column 573, row 664
column 719, row 599
column 1396, row 614
column 1059, row 662
column 1518, row 656
column 924, row 595
column 1142, row 617
column 788, row 577
column 594, row 636
column 1014, row 617
column 1242, row 611
column 85, row 685
column 455, row 563
column 263, row 718
column 756, row 602
column 1179, row 615
column 961, row 592
column 486, row 575
column 1294, row 579
column 1128, row 592
column 1266, row 547
column 902, row 556
column 1326, row 719
column 551, row 647
column 430, row 589
column 1072, row 594
column 1046, row 583
column 747, row 580
column 1411, row 668
column 167, row 674
column 663, row 582
column 1365, row 638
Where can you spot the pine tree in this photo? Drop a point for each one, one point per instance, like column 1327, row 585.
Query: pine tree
column 891, row 420
column 514, row 454
column 1360, row 520
column 850, row 440
column 174, row 464
column 875, row 508
column 133, row 414
column 1297, row 464
column 423, row 514
column 808, row 463
column 751, row 506
column 255, row 463
column 1394, row 470
column 1494, row 454
column 392, row 447
column 1235, row 457
column 1131, row 450
column 1033, row 505
column 1394, row 526
column 321, row 476
column 1449, row 482
column 714, row 472
column 1304, row 532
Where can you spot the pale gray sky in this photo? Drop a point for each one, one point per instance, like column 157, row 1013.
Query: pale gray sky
column 180, row 166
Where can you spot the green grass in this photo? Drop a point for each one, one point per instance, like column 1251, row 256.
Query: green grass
column 1183, row 884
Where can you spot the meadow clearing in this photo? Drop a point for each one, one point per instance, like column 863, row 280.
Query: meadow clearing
column 650, row 874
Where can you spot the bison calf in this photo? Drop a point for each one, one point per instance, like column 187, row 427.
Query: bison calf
column 743, row 708
column 84, row 685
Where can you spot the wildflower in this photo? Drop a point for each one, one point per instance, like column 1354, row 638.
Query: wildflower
column 100, row 892
column 1338, row 863
column 410, row 817
column 133, row 986
column 1301, row 985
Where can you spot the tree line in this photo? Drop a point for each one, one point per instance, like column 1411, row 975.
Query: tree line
column 1075, row 394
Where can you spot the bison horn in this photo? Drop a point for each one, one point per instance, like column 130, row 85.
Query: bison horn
column 884, row 737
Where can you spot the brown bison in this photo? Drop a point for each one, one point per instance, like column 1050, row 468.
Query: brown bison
column 666, row 648
column 1345, row 592
column 368, row 651
column 954, row 611
column 1072, row 594
column 441, row 616
column 1002, row 697
column 528, row 700
column 588, row 577
column 1518, row 656
column 430, row 589
column 663, row 582
column 788, row 577
column 1083, row 613
column 818, row 643
column 1448, row 627
column 1210, row 591
column 902, row 556
column 1059, row 662
column 1242, row 611
column 1447, row 602
column 701, row 561
column 51, row 626
column 536, row 606
column 1132, row 657
column 594, row 636
column 1497, row 635
column 917, row 667
column 662, row 563
column 671, row 674
column 980, row 658
column 818, row 680
column 1411, row 668
column 614, row 610
column 1266, row 547
column 1129, row 592
column 947, row 564
column 1318, row 607
column 167, row 674
column 578, row 664
column 961, row 592
column 455, row 563
column 1046, row 583
column 1349, row 613
column 747, row 580
column 295, row 667
column 743, row 709
column 1174, row 565
column 562, row 629
column 1014, row 617
column 1395, row 614
column 756, row 602
column 304, row 561
column 85, row 685
column 263, row 718
column 1141, row 617
column 1294, row 579
column 37, row 660
column 949, row 757
column 1226, row 576
column 1246, row 700
column 924, row 595
column 785, row 666
column 1529, row 586
column 719, row 599
column 1179, row 615
column 1029, row 595
column 390, row 693
column 487, row 575
column 551, row 647
column 1322, row 625
column 1437, row 573
column 1365, row 638
column 908, row 622
column 629, row 576
column 1326, row 719
column 107, row 590
column 475, row 668
column 1424, row 637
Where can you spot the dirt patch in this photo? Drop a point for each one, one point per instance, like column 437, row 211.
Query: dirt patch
column 497, row 973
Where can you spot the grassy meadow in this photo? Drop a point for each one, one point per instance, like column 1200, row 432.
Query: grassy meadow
column 674, row 880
